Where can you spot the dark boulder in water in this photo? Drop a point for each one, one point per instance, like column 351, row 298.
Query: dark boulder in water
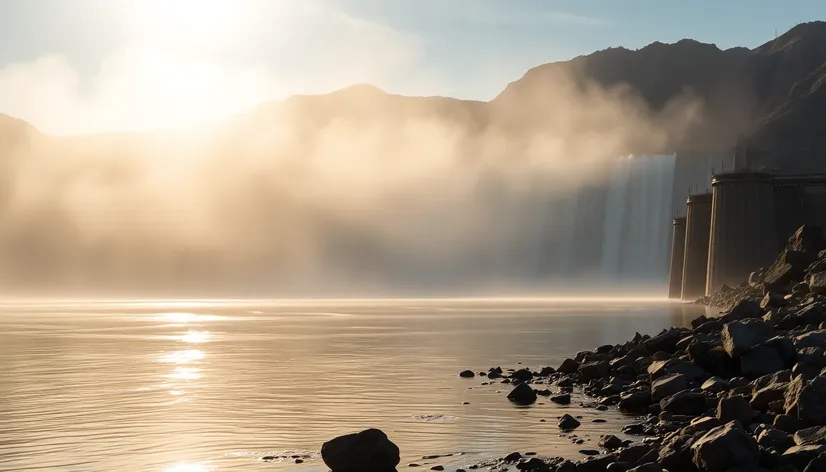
column 467, row 374
column 522, row 394
column 369, row 450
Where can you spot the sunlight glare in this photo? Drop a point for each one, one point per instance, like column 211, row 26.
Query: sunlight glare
column 187, row 467
column 183, row 357
column 185, row 373
column 187, row 21
column 195, row 337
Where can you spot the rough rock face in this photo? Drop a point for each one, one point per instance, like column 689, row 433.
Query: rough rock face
column 725, row 447
column 807, row 400
column 740, row 336
column 369, row 450
column 668, row 385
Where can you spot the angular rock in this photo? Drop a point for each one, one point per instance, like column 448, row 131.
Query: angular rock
column 740, row 336
column 811, row 339
column 786, row 423
column 715, row 385
column 801, row 456
column 676, row 454
column 773, row 300
column 367, row 450
column 665, row 342
column 818, row 464
column 610, row 442
column 595, row 463
column 761, row 399
column 649, row 467
column 668, row 385
column 685, row 403
column 568, row 422
column 808, row 436
column 562, row 399
column 774, row 439
column 568, row 366
column 759, row 361
column 522, row 374
column 635, row 401
column 594, row 370
column 522, row 394
column 725, row 447
column 807, row 238
column 807, row 400
column 813, row 356
column 735, row 408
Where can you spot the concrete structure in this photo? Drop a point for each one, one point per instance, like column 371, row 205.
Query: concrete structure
column 677, row 246
column 744, row 230
column 698, row 230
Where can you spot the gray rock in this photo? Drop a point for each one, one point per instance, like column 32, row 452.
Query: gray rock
column 735, row 408
column 684, row 403
column 725, row 447
column 568, row 422
column 668, row 385
column 740, row 336
column 367, row 450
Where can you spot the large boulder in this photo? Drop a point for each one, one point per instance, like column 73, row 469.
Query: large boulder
column 369, row 450
column 635, row 401
column 735, row 408
column 666, row 342
column 807, row 400
column 685, row 403
column 815, row 338
column 801, row 456
column 759, row 361
column 813, row 435
column 725, row 447
column 807, row 239
column 668, row 385
column 740, row 336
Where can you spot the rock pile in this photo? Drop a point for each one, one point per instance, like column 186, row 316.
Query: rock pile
column 744, row 391
column 794, row 282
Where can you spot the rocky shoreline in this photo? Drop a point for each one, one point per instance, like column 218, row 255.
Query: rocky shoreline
column 744, row 391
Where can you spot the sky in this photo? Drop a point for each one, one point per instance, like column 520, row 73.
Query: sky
column 85, row 66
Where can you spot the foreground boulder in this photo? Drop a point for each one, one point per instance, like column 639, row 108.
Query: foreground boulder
column 367, row 451
column 740, row 336
column 807, row 400
column 724, row 448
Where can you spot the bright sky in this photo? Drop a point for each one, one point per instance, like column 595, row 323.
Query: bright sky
column 79, row 66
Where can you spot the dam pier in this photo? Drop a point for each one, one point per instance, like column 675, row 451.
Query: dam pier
column 739, row 227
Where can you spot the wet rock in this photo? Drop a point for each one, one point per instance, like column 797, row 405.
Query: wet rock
column 568, row 422
column 522, row 394
column 562, row 399
column 533, row 464
column 595, row 464
column 467, row 374
column 589, row 452
column 367, row 450
column 740, row 336
column 725, row 447
column 438, row 467
column 801, row 456
column 684, row 403
column 735, row 408
column 594, row 370
column 609, row 441
column 512, row 457
column 668, row 385
column 522, row 374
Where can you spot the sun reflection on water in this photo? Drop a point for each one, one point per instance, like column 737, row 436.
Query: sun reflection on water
column 185, row 373
column 195, row 337
column 183, row 357
column 187, row 467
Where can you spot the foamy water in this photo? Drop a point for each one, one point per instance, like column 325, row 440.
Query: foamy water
column 216, row 386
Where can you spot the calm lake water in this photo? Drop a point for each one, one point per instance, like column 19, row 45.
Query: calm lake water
column 215, row 386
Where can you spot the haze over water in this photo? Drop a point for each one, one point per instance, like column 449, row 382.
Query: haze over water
column 203, row 386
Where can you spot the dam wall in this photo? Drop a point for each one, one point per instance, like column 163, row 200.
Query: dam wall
column 742, row 224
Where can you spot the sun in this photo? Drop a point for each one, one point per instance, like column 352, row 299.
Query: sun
column 187, row 22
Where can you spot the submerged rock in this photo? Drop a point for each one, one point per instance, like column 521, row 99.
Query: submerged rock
column 369, row 450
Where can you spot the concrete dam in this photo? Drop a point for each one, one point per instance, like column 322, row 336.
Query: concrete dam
column 739, row 227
